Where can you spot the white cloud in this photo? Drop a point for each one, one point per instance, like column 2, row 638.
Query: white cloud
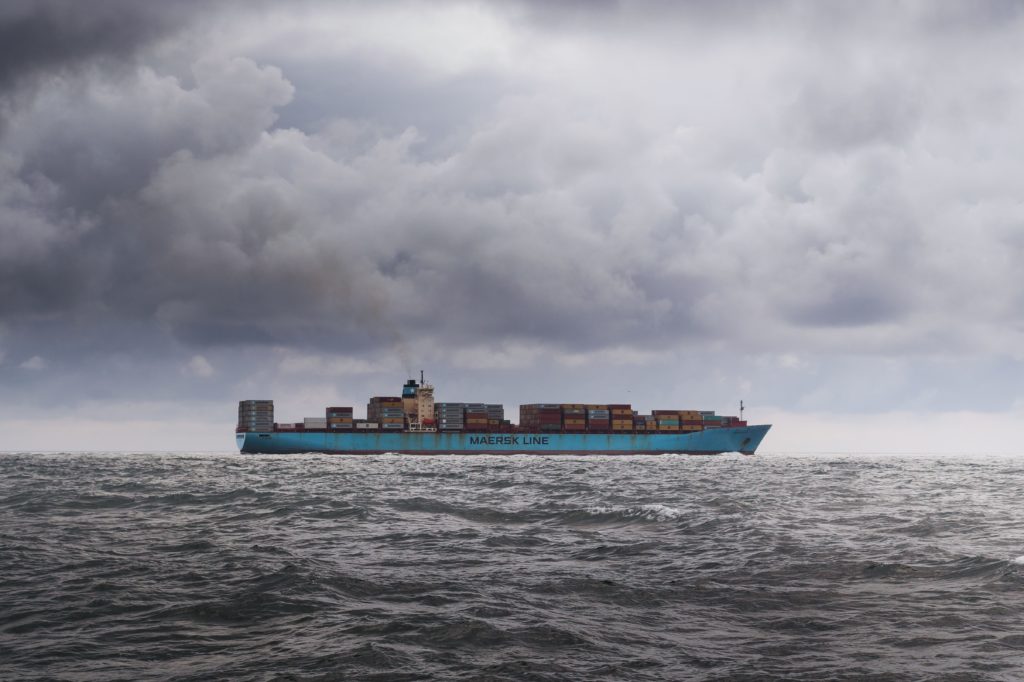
column 34, row 363
column 792, row 361
column 443, row 39
column 199, row 366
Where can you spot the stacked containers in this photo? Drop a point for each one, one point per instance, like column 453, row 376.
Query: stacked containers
column 598, row 418
column 495, row 416
column 527, row 416
column 574, row 417
column 668, row 420
column 476, row 417
column 378, row 403
column 712, row 421
column 316, row 422
column 622, row 417
column 339, row 418
column 549, row 417
column 387, row 411
column 255, row 415
column 690, row 420
column 450, row 416
column 541, row 417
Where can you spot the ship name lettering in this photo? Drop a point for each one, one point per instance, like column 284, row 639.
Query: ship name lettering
column 508, row 440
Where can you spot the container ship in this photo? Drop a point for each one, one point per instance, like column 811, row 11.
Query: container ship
column 414, row 424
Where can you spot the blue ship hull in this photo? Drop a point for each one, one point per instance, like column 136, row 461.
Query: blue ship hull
column 743, row 439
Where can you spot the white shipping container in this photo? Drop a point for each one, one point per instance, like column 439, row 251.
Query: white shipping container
column 367, row 425
column 315, row 422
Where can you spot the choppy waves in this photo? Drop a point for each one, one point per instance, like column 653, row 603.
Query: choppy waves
column 196, row 566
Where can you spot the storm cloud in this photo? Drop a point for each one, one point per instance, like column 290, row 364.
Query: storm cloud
column 473, row 187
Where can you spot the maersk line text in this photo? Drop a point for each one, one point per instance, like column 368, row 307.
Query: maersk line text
column 508, row 440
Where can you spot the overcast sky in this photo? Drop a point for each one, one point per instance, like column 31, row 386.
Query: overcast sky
column 817, row 208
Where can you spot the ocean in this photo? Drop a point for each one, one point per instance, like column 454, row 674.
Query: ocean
column 196, row 566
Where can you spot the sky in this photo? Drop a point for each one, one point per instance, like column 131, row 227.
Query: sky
column 816, row 208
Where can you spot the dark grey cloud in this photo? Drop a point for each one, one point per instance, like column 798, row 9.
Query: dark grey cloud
column 40, row 38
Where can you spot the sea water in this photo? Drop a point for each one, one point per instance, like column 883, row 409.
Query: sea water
column 224, row 566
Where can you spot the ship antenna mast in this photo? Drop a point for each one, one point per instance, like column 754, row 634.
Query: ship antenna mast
column 421, row 377
column 741, row 410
